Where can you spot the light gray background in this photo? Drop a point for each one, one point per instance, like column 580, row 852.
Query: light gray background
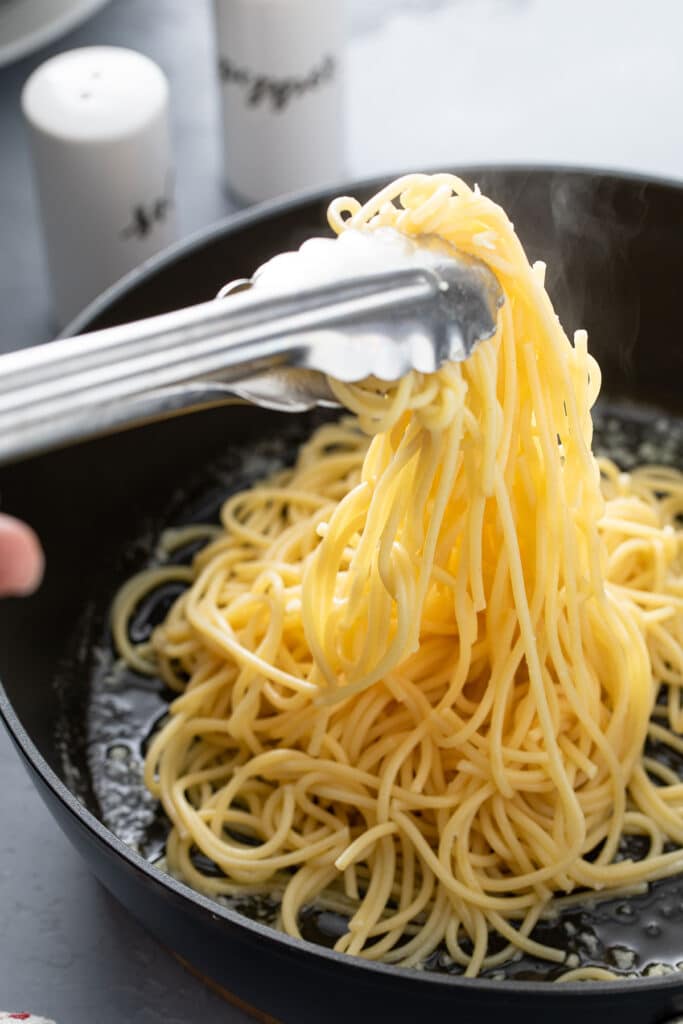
column 592, row 82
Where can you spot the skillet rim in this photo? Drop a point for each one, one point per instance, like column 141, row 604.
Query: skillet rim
column 262, row 211
column 35, row 761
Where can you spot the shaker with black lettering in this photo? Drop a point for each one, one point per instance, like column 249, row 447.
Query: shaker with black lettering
column 98, row 121
column 280, row 71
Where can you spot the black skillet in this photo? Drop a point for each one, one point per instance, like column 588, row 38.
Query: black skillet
column 614, row 245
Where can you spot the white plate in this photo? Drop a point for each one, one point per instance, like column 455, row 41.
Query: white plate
column 26, row 25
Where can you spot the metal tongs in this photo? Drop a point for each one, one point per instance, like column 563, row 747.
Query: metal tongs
column 271, row 347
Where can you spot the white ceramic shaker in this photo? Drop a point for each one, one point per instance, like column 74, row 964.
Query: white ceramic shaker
column 98, row 120
column 280, row 70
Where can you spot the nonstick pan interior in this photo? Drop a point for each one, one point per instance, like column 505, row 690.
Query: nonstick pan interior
column 614, row 248
column 102, row 743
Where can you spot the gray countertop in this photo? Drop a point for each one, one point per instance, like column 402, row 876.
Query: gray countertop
column 429, row 82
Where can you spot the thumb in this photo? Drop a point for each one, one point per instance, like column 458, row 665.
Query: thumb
column 21, row 558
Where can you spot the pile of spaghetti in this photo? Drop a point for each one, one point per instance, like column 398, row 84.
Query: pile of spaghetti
column 418, row 669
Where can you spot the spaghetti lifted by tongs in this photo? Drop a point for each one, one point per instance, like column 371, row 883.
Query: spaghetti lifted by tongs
column 417, row 670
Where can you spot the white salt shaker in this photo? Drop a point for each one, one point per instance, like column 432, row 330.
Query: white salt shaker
column 99, row 130
column 280, row 70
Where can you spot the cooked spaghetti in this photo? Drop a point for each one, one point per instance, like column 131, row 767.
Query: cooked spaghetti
column 418, row 669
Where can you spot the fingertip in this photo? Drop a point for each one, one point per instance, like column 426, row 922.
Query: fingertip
column 22, row 561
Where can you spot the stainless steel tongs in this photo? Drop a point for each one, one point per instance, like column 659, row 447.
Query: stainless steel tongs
column 269, row 344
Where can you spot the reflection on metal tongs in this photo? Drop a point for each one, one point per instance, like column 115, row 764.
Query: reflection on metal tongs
column 267, row 340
